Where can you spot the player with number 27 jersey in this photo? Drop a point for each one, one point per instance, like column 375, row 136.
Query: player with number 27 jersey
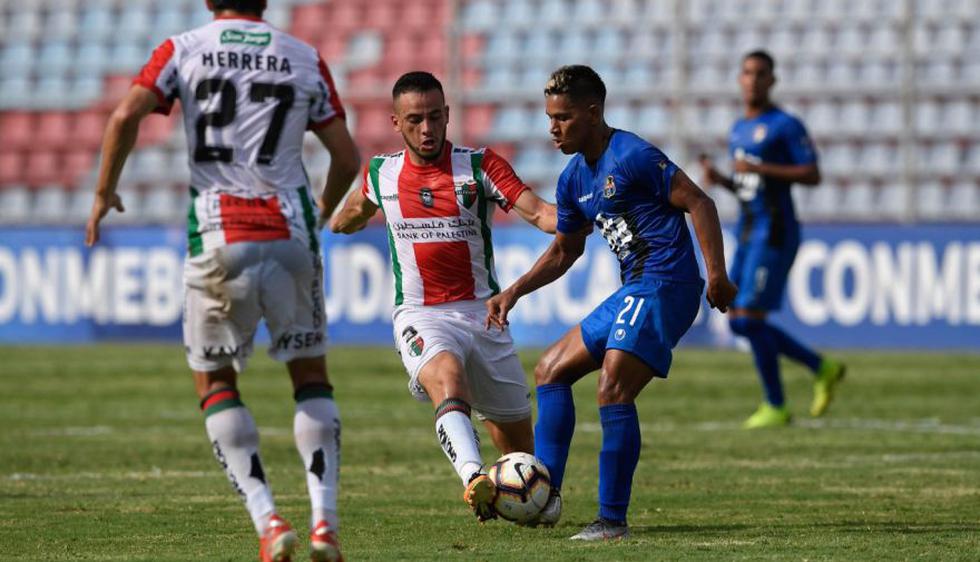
column 248, row 92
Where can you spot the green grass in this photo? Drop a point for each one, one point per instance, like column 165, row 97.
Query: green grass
column 103, row 457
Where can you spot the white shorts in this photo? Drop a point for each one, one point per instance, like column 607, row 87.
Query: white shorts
column 229, row 289
column 494, row 374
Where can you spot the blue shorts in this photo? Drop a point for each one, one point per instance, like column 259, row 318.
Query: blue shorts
column 645, row 319
column 761, row 272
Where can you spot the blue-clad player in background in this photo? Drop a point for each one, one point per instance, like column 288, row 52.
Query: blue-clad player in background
column 637, row 199
column 771, row 151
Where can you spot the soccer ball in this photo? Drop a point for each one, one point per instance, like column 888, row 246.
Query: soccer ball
column 523, row 486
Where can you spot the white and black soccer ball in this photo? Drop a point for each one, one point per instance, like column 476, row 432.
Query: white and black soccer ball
column 523, row 486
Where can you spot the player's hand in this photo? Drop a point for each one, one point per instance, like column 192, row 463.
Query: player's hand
column 100, row 209
column 497, row 308
column 721, row 293
column 711, row 174
column 743, row 166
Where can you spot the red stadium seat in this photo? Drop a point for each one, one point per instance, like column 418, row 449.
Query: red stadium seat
column 332, row 46
column 478, row 121
column 77, row 164
column 53, row 129
column 307, row 22
column 363, row 80
column 11, row 167
column 471, row 46
column 424, row 15
column 18, row 128
column 432, row 49
column 43, row 167
column 88, row 128
column 373, row 124
column 401, row 49
column 344, row 15
column 381, row 15
column 471, row 78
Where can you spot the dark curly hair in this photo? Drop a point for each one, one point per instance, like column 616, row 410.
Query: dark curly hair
column 578, row 82
column 249, row 6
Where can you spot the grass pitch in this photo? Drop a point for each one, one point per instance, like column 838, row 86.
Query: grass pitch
column 104, row 457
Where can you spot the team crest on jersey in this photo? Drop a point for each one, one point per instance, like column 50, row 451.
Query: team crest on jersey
column 759, row 133
column 466, row 193
column 413, row 340
column 427, row 198
column 610, row 188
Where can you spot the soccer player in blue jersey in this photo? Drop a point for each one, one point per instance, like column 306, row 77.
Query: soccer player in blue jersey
column 637, row 198
column 771, row 151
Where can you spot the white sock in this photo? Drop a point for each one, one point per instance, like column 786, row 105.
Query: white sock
column 316, row 427
column 235, row 441
column 458, row 438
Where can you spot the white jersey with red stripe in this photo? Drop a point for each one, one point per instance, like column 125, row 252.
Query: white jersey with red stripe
column 438, row 218
column 249, row 92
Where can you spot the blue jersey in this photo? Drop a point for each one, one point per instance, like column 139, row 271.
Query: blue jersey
column 626, row 195
column 774, row 137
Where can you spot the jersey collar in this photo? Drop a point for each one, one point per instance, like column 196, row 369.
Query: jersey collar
column 239, row 17
column 447, row 150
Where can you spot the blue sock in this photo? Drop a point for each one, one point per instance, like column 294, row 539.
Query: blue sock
column 617, row 459
column 766, row 353
column 553, row 432
column 793, row 349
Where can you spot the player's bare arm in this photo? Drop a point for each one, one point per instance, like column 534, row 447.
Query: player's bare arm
column 564, row 250
column 345, row 161
column 536, row 211
column 712, row 176
column 120, row 136
column 805, row 174
column 354, row 214
column 687, row 196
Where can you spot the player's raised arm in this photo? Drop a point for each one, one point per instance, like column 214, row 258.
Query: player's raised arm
column 687, row 196
column 553, row 263
column 536, row 211
column 120, row 136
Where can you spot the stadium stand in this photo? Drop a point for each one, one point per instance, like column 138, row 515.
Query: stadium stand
column 898, row 134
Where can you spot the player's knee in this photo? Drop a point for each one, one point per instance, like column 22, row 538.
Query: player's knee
column 547, row 370
column 614, row 390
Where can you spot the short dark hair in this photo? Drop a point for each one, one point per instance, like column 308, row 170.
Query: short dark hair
column 250, row 6
column 578, row 82
column 762, row 55
column 417, row 81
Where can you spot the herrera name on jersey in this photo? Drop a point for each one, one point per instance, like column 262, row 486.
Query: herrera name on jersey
column 438, row 218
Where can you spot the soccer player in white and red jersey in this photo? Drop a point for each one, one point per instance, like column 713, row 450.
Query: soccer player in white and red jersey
column 249, row 92
column 438, row 202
